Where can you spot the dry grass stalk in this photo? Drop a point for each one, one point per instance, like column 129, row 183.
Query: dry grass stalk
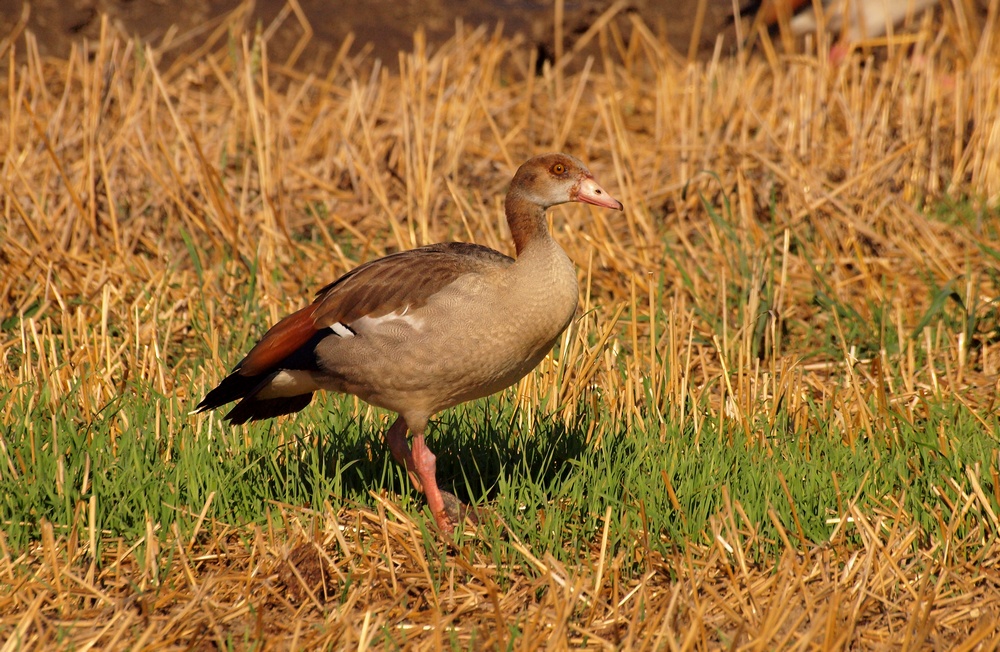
column 248, row 585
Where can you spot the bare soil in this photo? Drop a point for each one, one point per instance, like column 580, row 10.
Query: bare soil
column 387, row 26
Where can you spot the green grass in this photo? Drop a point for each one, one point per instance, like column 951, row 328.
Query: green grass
column 551, row 486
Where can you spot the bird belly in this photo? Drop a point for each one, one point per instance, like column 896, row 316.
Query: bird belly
column 456, row 348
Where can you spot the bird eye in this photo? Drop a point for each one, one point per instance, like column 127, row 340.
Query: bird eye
column 558, row 168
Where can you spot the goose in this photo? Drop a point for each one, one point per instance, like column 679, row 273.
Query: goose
column 419, row 331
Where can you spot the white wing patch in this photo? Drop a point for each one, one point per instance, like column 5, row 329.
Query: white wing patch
column 342, row 330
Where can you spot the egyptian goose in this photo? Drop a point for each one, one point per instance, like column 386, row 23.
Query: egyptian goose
column 423, row 330
column 855, row 19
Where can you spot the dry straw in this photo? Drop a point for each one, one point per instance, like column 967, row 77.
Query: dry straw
column 137, row 188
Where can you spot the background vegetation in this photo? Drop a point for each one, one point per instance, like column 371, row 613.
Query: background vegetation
column 772, row 425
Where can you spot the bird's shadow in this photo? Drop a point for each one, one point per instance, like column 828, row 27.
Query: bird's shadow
column 480, row 449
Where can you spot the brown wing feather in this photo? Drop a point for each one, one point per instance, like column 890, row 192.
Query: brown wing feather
column 407, row 278
column 280, row 341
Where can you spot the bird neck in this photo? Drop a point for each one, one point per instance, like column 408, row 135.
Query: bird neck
column 527, row 223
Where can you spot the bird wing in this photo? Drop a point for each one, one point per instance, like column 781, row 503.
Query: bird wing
column 403, row 281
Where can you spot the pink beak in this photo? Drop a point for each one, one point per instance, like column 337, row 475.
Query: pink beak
column 592, row 193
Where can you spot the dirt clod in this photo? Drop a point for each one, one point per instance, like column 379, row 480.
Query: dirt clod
column 306, row 574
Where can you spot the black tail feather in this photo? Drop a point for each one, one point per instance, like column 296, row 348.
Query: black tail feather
column 234, row 387
column 254, row 409
column 237, row 387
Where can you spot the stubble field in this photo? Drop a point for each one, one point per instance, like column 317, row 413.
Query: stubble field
column 773, row 424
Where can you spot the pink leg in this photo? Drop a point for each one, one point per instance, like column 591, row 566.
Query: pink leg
column 420, row 465
column 396, row 438
column 426, row 468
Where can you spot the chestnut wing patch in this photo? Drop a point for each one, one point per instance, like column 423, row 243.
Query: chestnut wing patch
column 280, row 341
